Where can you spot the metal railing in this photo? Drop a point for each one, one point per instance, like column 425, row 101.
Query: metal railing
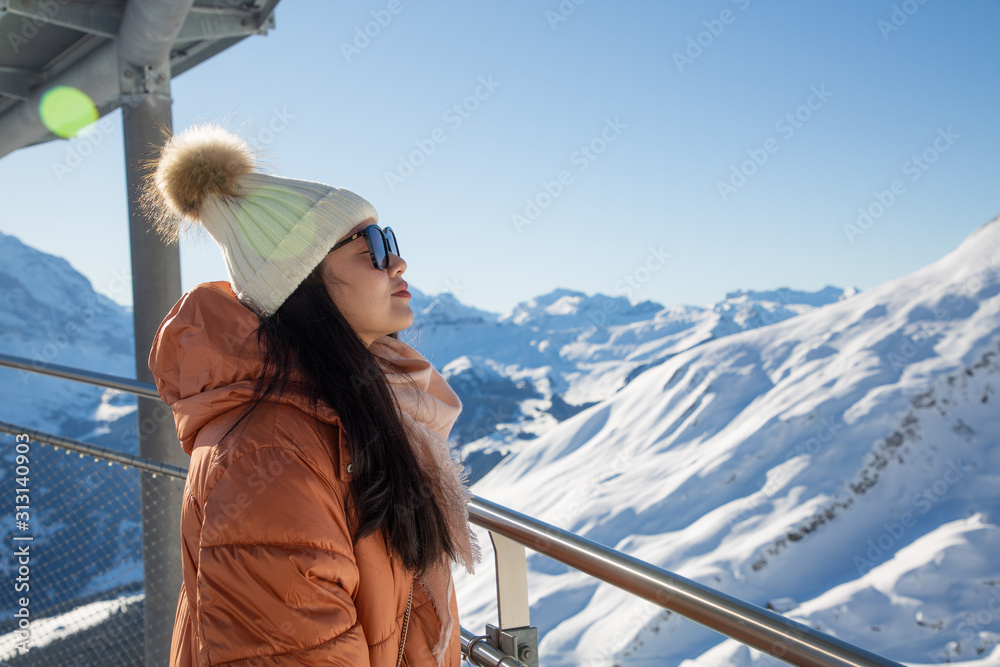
column 747, row 623
column 759, row 628
column 143, row 389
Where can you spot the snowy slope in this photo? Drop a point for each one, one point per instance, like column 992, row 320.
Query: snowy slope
column 842, row 464
column 84, row 619
column 50, row 314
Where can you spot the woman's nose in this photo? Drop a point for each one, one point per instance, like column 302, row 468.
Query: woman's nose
column 397, row 265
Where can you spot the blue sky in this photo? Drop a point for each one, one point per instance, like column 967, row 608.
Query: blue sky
column 663, row 151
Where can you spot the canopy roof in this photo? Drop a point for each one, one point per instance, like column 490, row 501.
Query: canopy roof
column 83, row 44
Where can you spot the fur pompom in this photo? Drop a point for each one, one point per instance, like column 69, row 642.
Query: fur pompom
column 201, row 162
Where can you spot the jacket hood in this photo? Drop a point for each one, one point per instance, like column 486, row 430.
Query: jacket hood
column 205, row 361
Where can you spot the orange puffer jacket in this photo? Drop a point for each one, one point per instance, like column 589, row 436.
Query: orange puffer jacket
column 271, row 574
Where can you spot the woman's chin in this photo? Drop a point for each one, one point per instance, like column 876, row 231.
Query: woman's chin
column 406, row 317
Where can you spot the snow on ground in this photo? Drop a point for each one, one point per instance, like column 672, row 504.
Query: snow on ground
column 44, row 631
column 766, row 464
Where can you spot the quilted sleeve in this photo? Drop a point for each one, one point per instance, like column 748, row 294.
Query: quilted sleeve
column 277, row 574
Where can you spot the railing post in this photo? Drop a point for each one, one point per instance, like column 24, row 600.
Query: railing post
column 514, row 636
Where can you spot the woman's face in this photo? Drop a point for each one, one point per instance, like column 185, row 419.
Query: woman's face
column 364, row 294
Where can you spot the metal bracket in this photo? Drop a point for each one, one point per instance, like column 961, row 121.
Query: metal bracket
column 514, row 636
column 521, row 643
column 139, row 80
column 512, row 582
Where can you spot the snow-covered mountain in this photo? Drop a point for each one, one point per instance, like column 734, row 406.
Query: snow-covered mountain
column 841, row 466
column 50, row 314
column 522, row 372
column 832, row 454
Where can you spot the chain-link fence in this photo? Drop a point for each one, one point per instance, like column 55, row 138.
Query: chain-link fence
column 74, row 574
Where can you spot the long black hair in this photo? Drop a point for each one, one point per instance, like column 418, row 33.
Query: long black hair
column 388, row 489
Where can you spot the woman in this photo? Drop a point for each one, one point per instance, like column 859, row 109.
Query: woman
column 322, row 510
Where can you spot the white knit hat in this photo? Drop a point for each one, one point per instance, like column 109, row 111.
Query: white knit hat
column 273, row 231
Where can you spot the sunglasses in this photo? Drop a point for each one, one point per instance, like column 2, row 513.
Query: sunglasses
column 380, row 244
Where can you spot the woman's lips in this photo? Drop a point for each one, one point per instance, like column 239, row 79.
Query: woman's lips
column 403, row 293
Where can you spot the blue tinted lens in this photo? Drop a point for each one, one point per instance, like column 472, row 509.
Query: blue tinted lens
column 390, row 237
column 376, row 246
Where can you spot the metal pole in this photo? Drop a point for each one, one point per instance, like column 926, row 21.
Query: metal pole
column 754, row 626
column 156, row 286
column 145, row 37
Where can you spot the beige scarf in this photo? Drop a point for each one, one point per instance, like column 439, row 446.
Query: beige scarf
column 429, row 408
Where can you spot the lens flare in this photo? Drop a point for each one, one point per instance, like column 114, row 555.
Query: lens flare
column 65, row 111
